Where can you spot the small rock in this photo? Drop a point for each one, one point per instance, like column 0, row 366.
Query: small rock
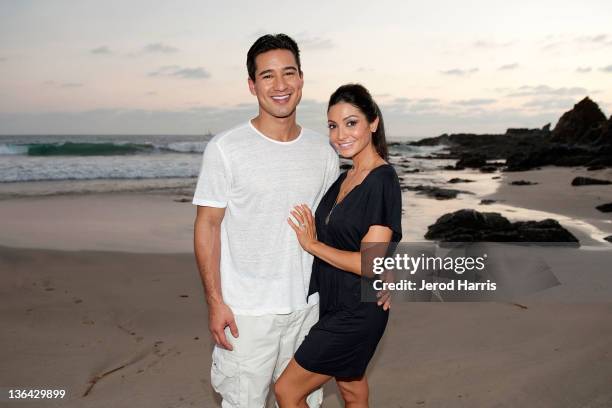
column 488, row 169
column 605, row 207
column 460, row 180
column 522, row 183
column 585, row 181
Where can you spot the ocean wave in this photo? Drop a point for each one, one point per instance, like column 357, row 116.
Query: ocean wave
column 98, row 149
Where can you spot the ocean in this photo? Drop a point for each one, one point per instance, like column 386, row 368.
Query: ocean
column 102, row 163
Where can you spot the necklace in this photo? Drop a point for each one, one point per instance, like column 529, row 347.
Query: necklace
column 336, row 202
column 330, row 212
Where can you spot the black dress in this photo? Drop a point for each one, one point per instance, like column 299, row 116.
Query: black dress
column 344, row 339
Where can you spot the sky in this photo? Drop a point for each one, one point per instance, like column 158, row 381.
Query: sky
column 160, row 67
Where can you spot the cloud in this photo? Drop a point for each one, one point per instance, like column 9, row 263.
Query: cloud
column 306, row 42
column 70, row 85
column 459, row 72
column 159, row 48
column 428, row 100
column 554, row 104
column 180, row 72
column 596, row 41
column 492, row 44
column 527, row 90
column 599, row 39
column 103, row 50
column 405, row 105
column 583, row 70
column 64, row 85
column 475, row 102
column 508, row 67
column 400, row 123
column 401, row 100
column 606, row 69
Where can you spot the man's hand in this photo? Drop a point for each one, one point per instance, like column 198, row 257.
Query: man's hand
column 219, row 317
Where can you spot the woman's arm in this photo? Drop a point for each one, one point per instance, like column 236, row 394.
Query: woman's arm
column 349, row 261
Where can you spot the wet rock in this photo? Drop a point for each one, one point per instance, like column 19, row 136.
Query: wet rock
column 580, row 125
column 436, row 192
column 472, row 160
column 605, row 207
column 489, row 168
column 522, row 183
column 585, row 181
column 455, row 180
column 469, row 225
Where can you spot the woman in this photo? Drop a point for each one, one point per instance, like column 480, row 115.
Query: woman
column 363, row 205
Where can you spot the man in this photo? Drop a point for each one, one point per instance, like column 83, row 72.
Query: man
column 254, row 272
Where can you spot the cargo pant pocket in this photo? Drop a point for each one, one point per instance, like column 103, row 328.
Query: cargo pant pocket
column 225, row 378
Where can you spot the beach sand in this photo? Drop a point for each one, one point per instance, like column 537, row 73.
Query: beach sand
column 101, row 282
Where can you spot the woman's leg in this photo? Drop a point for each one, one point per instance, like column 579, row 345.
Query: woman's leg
column 355, row 392
column 294, row 385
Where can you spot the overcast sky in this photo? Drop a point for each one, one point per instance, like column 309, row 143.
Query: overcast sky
column 145, row 66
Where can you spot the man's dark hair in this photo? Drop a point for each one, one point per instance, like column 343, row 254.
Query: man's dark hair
column 271, row 42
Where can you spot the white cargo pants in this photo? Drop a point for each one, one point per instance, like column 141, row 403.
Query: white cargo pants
column 263, row 349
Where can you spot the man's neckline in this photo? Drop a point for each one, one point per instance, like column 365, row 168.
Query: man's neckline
column 299, row 136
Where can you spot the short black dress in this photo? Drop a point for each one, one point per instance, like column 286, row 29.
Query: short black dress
column 344, row 339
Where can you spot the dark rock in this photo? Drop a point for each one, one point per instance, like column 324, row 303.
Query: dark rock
column 436, row 192
column 608, row 238
column 582, row 137
column 585, row 181
column 558, row 155
column 526, row 131
column 486, row 201
column 582, row 124
column 412, row 171
column 522, row 183
column 431, row 141
column 451, row 167
column 472, row 160
column 495, row 177
column 605, row 207
column 596, row 167
column 460, row 180
column 490, row 168
column 469, row 225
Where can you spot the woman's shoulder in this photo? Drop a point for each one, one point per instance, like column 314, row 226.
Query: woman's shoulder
column 385, row 173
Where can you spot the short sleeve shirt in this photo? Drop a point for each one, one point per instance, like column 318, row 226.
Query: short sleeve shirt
column 258, row 181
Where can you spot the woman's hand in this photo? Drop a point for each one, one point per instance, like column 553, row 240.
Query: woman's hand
column 305, row 230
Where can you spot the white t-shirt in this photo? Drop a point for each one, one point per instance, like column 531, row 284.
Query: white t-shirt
column 258, row 181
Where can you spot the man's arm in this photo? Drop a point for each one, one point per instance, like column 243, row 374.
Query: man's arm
column 207, row 248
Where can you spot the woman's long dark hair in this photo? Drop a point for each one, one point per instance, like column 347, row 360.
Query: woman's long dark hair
column 358, row 96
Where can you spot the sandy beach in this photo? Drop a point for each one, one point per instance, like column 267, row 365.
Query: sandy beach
column 101, row 297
